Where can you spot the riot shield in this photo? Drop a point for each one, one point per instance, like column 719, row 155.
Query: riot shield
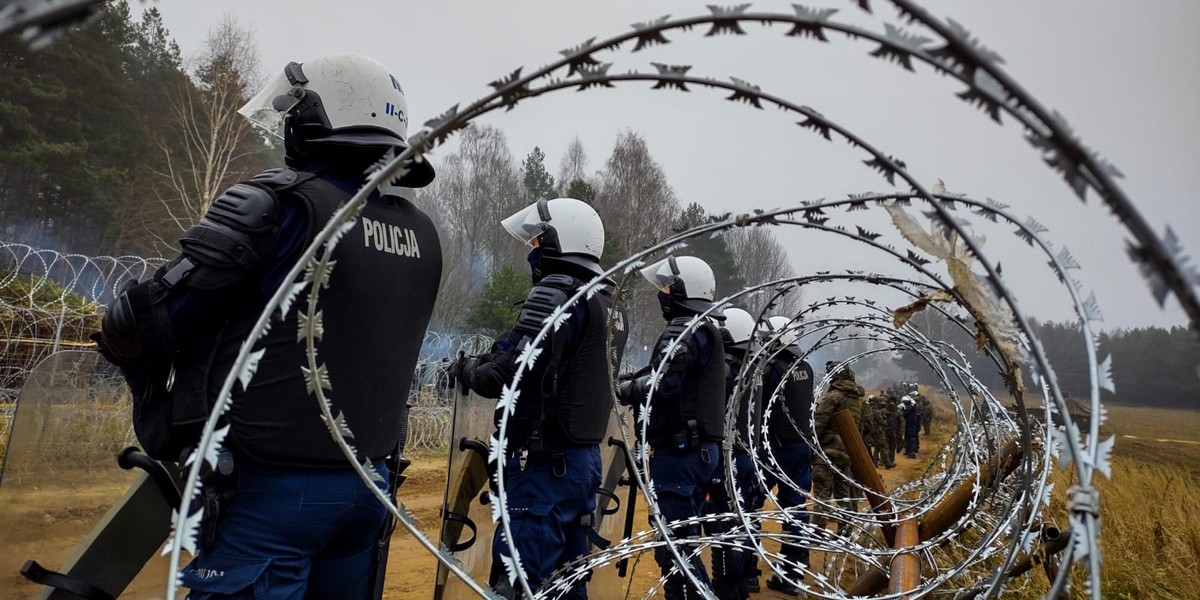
column 467, row 526
column 64, row 502
column 615, row 503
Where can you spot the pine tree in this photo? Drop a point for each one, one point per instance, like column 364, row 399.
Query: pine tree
column 496, row 307
column 538, row 182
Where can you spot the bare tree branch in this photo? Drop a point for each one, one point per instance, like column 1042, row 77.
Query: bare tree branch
column 213, row 140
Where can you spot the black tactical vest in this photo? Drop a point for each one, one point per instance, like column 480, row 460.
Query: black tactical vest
column 748, row 401
column 374, row 312
column 702, row 398
column 572, row 397
column 796, row 398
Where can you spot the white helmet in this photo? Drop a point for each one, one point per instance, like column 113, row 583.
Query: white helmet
column 340, row 102
column 776, row 324
column 739, row 324
column 568, row 230
column 690, row 279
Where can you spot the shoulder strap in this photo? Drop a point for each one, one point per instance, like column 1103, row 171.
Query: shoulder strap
column 545, row 297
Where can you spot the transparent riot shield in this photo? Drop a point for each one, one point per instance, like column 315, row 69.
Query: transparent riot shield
column 467, row 526
column 65, row 504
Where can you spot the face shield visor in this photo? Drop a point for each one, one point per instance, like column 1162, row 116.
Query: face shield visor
column 268, row 107
column 662, row 274
column 529, row 222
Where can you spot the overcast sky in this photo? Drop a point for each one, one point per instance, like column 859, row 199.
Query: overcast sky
column 1125, row 74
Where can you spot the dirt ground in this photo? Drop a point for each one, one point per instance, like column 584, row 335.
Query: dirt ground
column 47, row 522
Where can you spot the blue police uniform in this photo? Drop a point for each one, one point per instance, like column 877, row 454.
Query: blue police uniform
column 790, row 423
column 684, row 433
column 730, row 565
column 294, row 520
column 553, row 468
column 912, row 429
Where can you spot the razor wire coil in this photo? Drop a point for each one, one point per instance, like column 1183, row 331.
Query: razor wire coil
column 971, row 555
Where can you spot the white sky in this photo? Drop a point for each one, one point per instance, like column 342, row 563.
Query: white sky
column 1125, row 74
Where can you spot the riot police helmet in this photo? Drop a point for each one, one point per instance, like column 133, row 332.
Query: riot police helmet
column 740, row 326
column 566, row 230
column 688, row 283
column 782, row 329
column 340, row 109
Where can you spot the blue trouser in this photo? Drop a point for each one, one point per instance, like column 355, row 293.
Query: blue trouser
column 912, row 430
column 681, row 480
column 729, row 564
column 547, row 501
column 292, row 534
column 794, row 459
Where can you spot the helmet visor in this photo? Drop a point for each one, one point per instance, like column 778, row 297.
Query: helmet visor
column 267, row 108
column 521, row 226
column 663, row 273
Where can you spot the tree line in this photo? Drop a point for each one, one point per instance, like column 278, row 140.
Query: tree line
column 1150, row 366
column 112, row 142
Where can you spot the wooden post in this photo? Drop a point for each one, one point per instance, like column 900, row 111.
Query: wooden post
column 863, row 469
column 906, row 564
column 955, row 504
column 946, row 513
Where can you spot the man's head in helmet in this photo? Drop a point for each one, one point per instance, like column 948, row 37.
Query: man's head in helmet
column 341, row 110
column 566, row 236
column 686, row 286
column 739, row 327
column 780, row 330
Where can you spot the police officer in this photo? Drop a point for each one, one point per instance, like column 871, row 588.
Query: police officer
column 843, row 394
column 912, row 426
column 552, row 469
column 729, row 564
column 687, row 422
column 295, row 520
column 790, row 425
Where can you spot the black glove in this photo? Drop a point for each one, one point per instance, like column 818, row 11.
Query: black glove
column 464, row 368
column 631, row 391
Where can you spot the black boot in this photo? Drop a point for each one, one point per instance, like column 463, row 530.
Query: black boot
column 781, row 585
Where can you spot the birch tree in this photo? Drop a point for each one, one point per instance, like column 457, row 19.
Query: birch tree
column 760, row 258
column 206, row 149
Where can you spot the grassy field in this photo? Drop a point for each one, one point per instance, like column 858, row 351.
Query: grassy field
column 1157, row 436
column 1150, row 509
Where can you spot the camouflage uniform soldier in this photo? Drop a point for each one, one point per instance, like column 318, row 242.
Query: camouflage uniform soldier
column 887, row 432
column 895, row 426
column 868, row 428
column 880, row 442
column 843, row 393
column 926, row 407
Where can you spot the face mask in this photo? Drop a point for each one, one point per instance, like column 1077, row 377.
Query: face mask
column 664, row 302
column 535, row 262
